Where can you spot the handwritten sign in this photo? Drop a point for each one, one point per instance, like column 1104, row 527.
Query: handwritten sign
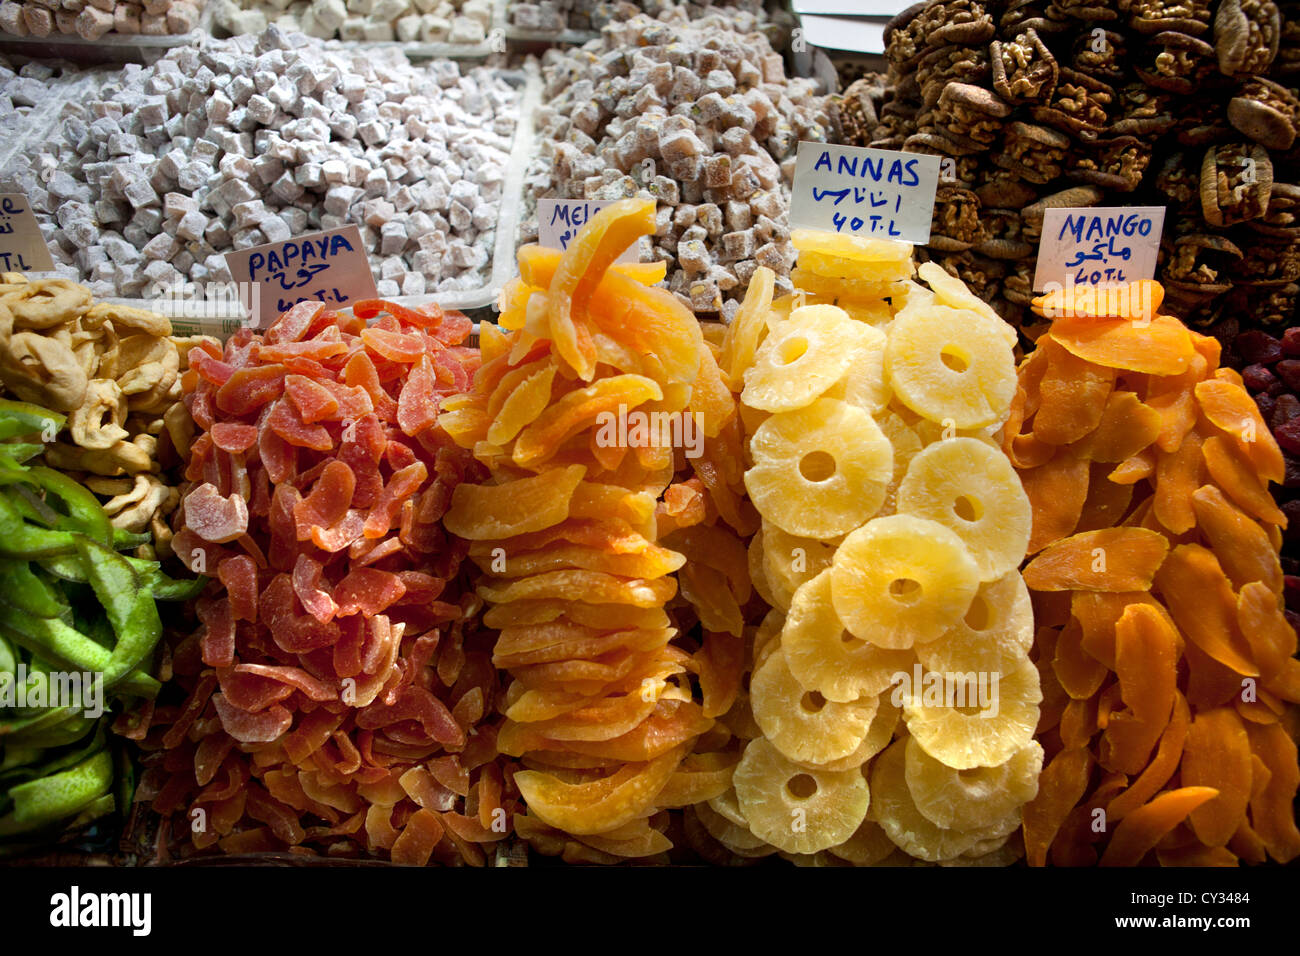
column 1098, row 245
column 874, row 193
column 558, row 221
column 22, row 247
column 329, row 267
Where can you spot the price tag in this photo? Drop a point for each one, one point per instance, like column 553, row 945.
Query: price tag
column 558, row 221
column 873, row 193
column 1098, row 246
column 22, row 247
column 330, row 267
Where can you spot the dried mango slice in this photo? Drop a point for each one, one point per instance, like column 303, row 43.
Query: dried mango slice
column 1074, row 395
column 1241, row 545
column 1161, row 768
column 1097, row 613
column 951, row 366
column 796, row 809
column 1107, row 501
column 971, row 489
column 1060, row 788
column 1230, row 408
column 902, row 580
column 995, row 633
column 1132, row 470
column 1203, row 604
column 1233, row 473
column 1112, row 559
column 969, row 800
column 828, row 452
column 1140, row 831
column 804, row 725
column 499, row 511
column 1127, row 426
column 826, row 658
column 1178, row 474
column 1162, row 347
column 1271, row 638
column 1057, row 490
column 1146, row 660
column 1139, row 299
column 1271, row 804
column 981, row 725
column 1080, row 674
column 599, row 806
column 1217, row 754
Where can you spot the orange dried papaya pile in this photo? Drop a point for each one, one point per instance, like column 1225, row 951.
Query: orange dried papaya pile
column 1168, row 667
column 612, row 444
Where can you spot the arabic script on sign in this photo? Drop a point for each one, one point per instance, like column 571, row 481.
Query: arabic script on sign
column 22, row 247
column 329, row 267
column 1098, row 246
column 874, row 193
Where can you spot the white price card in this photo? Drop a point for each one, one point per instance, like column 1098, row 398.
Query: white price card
column 558, row 222
column 22, row 247
column 1098, row 246
column 330, row 267
column 874, row 193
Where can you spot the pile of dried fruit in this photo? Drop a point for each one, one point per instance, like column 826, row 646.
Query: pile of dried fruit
column 78, row 627
column 892, row 529
column 1045, row 104
column 1166, row 660
column 575, row 412
column 335, row 694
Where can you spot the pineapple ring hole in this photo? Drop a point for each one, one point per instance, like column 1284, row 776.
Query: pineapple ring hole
column 817, row 466
column 812, row 701
column 955, row 358
column 791, row 350
column 905, row 590
column 851, row 639
column 801, row 786
column 968, row 509
column 978, row 617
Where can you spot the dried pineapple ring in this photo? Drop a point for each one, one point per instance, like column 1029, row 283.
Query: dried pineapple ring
column 971, row 488
column 867, row 847
column 826, row 658
column 970, row 799
column 796, row 809
column 802, row 724
column 995, row 634
column 725, row 804
column 902, row 580
column 951, row 291
column 951, row 365
column 863, row 382
column 857, row 248
column 896, row 812
column 802, row 358
column 789, row 561
column 964, row 737
column 820, row 471
column 879, row 734
column 726, row 831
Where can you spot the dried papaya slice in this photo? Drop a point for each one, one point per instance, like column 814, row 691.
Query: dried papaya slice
column 1162, row 766
column 499, row 511
column 1163, row 347
column 1074, row 394
column 1217, row 754
column 1201, row 599
column 1236, row 475
column 1057, row 491
column 1132, row 470
column 1230, row 408
column 1241, row 545
column 1111, row 559
column 1140, row 831
column 602, row 805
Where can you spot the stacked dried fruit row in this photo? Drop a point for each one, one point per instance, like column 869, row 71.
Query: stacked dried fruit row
column 568, row 414
column 892, row 528
column 1166, row 660
column 334, row 692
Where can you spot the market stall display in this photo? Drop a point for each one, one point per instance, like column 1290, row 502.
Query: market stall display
column 456, row 22
column 94, row 20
